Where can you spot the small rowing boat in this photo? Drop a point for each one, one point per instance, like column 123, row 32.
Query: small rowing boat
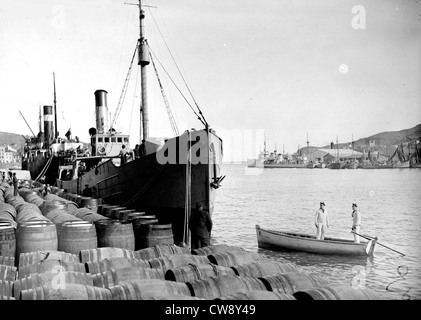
column 288, row 241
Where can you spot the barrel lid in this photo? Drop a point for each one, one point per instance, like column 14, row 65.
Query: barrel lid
column 6, row 227
column 144, row 217
column 76, row 224
column 160, row 226
column 107, row 221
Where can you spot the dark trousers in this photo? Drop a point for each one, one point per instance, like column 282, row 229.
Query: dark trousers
column 15, row 192
column 198, row 242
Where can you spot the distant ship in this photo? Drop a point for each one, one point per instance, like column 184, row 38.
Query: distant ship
column 275, row 160
column 167, row 179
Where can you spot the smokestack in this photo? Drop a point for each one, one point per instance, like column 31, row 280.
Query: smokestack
column 48, row 126
column 101, row 111
column 331, row 145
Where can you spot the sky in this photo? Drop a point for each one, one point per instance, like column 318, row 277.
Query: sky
column 274, row 69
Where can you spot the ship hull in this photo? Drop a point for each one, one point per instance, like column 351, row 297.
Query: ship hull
column 147, row 185
column 35, row 166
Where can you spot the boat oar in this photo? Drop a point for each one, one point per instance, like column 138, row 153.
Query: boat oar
column 370, row 238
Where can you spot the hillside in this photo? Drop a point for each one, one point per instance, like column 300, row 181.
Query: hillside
column 387, row 138
column 16, row 141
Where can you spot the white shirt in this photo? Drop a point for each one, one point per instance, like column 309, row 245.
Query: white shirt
column 356, row 218
column 322, row 217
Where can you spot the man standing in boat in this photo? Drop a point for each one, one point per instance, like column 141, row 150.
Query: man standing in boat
column 321, row 221
column 356, row 222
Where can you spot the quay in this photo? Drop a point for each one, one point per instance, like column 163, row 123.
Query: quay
column 64, row 246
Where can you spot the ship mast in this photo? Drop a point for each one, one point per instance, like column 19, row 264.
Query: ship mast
column 55, row 108
column 143, row 62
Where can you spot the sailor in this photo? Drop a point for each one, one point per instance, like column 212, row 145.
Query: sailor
column 87, row 192
column 200, row 225
column 15, row 184
column 122, row 154
column 356, row 222
column 137, row 152
column 321, row 221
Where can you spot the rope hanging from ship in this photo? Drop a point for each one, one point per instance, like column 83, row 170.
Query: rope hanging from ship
column 198, row 114
column 44, row 170
column 201, row 117
column 187, row 203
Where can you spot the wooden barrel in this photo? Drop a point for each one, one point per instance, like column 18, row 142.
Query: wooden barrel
column 115, row 212
column 105, row 253
column 72, row 291
column 101, row 207
column 114, row 277
column 75, row 236
column 106, row 210
column 136, row 214
column 29, row 258
column 159, row 251
column 52, row 205
column 292, row 282
column 8, row 209
column 35, row 199
column 193, row 272
column 171, row 297
column 71, row 206
column 257, row 295
column 108, row 264
column 205, row 251
column 8, row 223
column 15, row 201
column 145, row 288
column 31, row 216
column 124, row 214
column 89, row 202
column 59, row 216
column 337, row 292
column 263, row 268
column 76, row 198
column 215, row 287
column 6, row 288
column 51, row 278
column 7, row 261
column 95, row 217
column 234, row 258
column 8, row 273
column 50, row 266
column 7, row 240
column 177, row 260
column 156, row 235
column 26, row 209
column 34, row 237
column 112, row 233
column 82, row 213
column 140, row 224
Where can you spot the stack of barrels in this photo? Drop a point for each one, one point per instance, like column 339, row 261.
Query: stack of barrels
column 90, row 252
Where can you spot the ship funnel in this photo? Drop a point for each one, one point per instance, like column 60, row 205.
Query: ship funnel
column 101, row 110
column 48, row 126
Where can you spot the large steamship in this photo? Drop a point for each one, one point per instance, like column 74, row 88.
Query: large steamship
column 167, row 180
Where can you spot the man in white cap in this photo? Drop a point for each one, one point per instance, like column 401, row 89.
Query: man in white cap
column 356, row 222
column 321, row 221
